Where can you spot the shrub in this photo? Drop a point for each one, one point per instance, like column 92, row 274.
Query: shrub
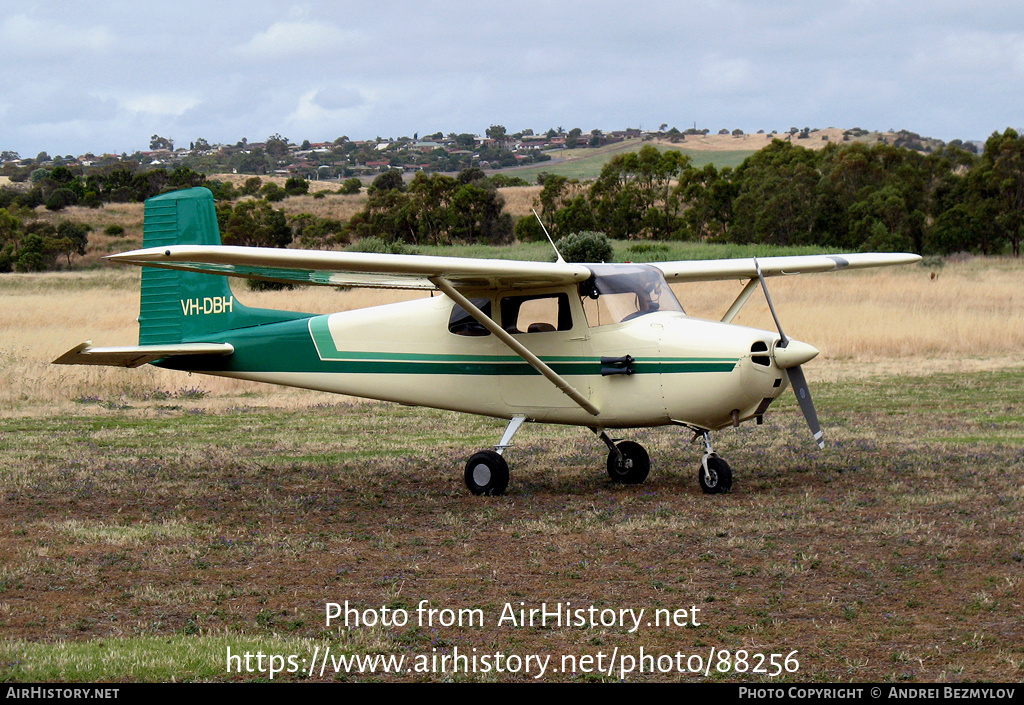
column 380, row 246
column 273, row 193
column 60, row 199
column 296, row 186
column 351, row 186
column 586, row 246
column 528, row 229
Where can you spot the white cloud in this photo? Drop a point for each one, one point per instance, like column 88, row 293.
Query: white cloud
column 24, row 36
column 283, row 39
column 321, row 110
column 167, row 104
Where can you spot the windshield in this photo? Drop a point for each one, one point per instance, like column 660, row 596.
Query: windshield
column 622, row 292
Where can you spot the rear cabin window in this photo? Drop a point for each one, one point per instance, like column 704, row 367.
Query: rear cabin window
column 462, row 323
column 541, row 313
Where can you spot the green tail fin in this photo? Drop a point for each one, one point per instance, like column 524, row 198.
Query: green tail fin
column 180, row 306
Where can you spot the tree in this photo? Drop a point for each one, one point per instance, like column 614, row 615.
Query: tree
column 1001, row 176
column 10, row 230
column 253, row 161
column 255, row 224
column 277, row 146
column 471, row 174
column 157, row 142
column 33, row 255
column 72, row 238
column 476, row 216
column 251, row 186
column 704, row 197
column 775, row 200
column 631, row 197
column 390, row 180
column 430, row 201
column 496, row 132
column 314, row 232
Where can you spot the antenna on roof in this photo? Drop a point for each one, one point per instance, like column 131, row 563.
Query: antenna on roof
column 560, row 259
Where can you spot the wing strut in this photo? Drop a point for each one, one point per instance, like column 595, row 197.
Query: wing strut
column 513, row 344
column 740, row 300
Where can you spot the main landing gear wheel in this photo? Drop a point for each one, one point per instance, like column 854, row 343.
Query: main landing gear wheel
column 633, row 465
column 714, row 475
column 487, row 473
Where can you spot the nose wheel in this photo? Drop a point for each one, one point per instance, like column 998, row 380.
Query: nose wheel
column 714, row 474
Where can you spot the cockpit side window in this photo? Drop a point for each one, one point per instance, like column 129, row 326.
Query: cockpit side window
column 537, row 313
column 462, row 323
column 619, row 293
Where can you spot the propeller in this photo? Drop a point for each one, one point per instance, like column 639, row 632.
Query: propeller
column 790, row 355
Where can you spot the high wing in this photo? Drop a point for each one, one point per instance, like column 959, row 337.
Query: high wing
column 385, row 271
column 355, row 268
column 717, row 269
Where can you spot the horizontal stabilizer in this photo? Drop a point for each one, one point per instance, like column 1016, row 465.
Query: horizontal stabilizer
column 136, row 355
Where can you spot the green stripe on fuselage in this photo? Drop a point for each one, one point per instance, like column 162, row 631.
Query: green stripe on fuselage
column 307, row 346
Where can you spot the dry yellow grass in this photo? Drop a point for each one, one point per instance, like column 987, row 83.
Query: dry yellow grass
column 520, row 200
column 238, row 180
column 887, row 321
column 338, row 207
column 973, row 309
column 44, row 315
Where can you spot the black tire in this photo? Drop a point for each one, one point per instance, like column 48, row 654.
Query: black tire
column 635, row 467
column 721, row 476
column 487, row 474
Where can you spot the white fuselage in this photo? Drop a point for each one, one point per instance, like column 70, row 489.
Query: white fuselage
column 686, row 370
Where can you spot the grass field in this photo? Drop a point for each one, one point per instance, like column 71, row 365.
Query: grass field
column 586, row 164
column 154, row 523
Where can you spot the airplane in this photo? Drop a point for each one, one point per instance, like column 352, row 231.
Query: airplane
column 603, row 346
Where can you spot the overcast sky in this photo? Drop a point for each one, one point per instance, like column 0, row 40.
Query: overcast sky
column 104, row 76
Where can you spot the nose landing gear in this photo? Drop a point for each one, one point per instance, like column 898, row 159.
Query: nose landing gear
column 714, row 474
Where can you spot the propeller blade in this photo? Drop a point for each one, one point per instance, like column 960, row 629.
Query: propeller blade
column 803, row 396
column 771, row 307
column 795, row 373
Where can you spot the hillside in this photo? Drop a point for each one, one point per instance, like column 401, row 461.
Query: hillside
column 722, row 150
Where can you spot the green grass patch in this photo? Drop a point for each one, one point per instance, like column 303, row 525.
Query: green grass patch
column 625, row 251
column 585, row 164
column 176, row 658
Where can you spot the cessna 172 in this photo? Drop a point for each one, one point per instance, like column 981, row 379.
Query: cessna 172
column 605, row 346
